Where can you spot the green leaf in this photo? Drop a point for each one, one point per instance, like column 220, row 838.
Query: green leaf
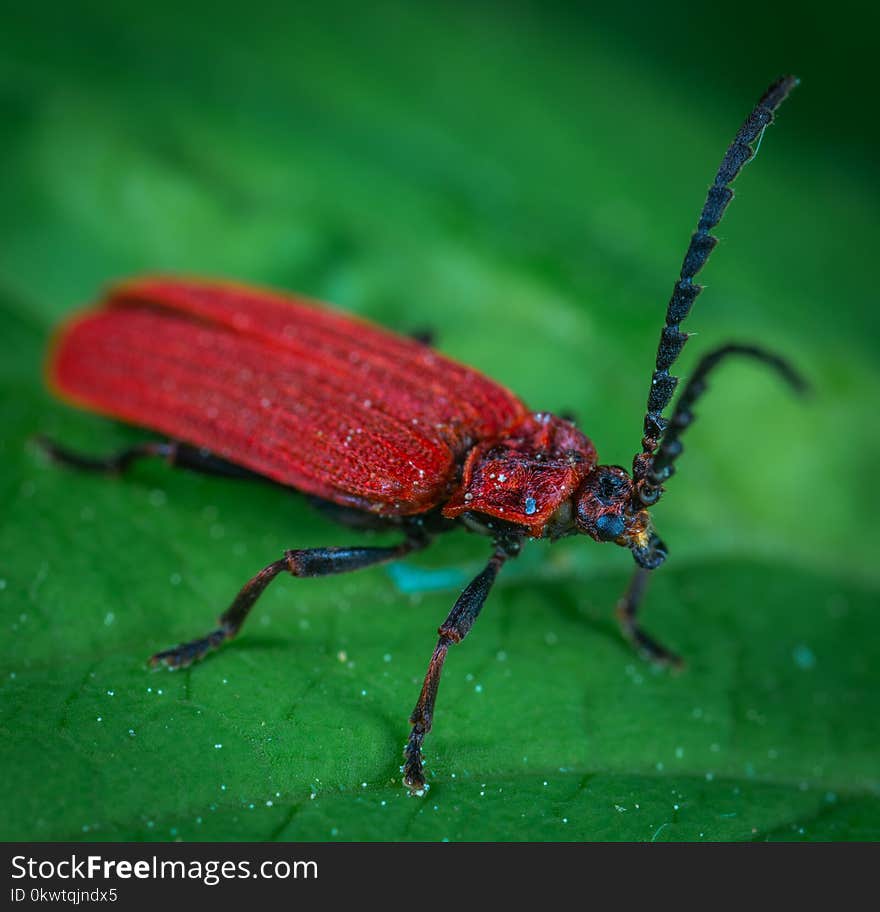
column 423, row 176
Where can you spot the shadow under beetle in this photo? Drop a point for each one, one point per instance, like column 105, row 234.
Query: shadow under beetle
column 382, row 431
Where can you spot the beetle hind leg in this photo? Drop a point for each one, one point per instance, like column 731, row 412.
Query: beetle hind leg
column 181, row 455
column 114, row 464
column 627, row 612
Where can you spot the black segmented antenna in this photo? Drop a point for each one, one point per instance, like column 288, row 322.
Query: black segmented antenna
column 663, row 463
column 672, row 340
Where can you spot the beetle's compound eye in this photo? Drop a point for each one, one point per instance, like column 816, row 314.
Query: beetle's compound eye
column 602, row 503
column 648, row 493
column 610, row 526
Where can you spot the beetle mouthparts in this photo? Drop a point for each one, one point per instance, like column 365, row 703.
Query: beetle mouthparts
column 652, row 554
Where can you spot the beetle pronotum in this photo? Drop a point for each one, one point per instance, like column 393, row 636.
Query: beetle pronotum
column 381, row 430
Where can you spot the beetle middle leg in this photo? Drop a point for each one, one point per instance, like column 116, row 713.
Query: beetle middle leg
column 301, row 563
column 627, row 611
column 453, row 630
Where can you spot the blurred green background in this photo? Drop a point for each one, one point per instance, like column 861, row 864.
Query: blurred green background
column 523, row 178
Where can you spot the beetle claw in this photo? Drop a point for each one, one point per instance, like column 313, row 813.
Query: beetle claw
column 185, row 654
column 413, row 773
column 414, row 780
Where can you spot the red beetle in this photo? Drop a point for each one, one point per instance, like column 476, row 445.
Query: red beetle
column 380, row 429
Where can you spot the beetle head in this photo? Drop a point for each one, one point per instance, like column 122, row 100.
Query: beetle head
column 608, row 509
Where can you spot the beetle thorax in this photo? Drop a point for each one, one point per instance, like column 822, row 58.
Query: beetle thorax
column 541, row 477
column 527, row 477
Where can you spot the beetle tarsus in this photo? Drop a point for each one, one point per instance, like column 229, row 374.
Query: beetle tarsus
column 413, row 772
column 186, row 654
column 652, row 651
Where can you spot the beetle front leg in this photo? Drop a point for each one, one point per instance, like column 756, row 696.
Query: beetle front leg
column 453, row 630
column 310, row 562
column 627, row 610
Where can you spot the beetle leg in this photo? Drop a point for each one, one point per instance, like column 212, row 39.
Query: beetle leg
column 627, row 609
column 453, row 630
column 301, row 563
column 425, row 336
column 174, row 453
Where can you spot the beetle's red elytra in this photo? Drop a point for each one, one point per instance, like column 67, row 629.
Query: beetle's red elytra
column 382, row 431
